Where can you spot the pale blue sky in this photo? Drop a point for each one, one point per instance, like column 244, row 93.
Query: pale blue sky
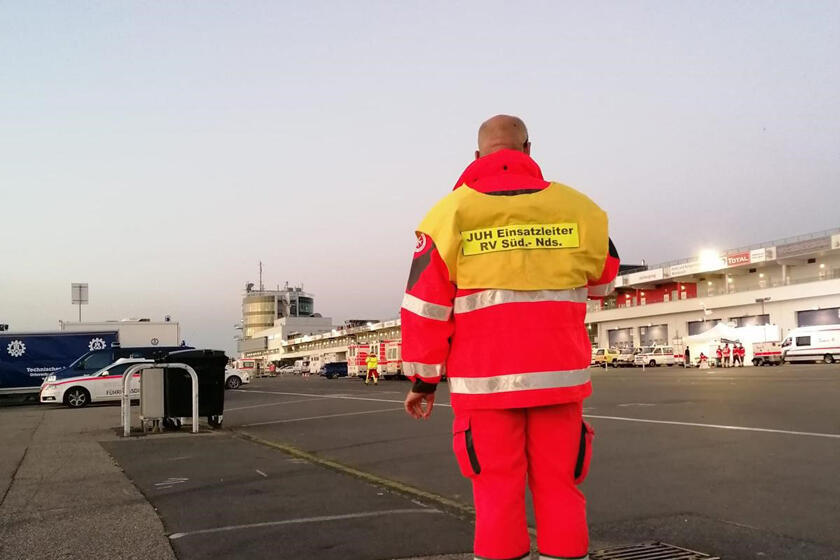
column 159, row 150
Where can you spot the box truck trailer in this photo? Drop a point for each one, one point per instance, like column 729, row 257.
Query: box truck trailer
column 26, row 359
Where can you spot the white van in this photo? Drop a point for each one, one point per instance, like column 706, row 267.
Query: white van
column 812, row 344
column 653, row 356
column 302, row 366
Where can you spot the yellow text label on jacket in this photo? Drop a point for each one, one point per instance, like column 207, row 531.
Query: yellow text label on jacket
column 464, row 213
column 524, row 236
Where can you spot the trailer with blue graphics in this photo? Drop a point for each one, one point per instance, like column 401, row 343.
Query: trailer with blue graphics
column 27, row 358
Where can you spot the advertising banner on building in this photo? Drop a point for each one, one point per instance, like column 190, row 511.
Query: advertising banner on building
column 758, row 255
column 803, row 247
column 645, row 276
column 737, row 259
column 684, row 269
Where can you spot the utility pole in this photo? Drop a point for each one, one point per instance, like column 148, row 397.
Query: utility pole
column 261, row 282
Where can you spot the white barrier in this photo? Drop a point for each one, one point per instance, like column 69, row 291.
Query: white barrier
column 126, row 396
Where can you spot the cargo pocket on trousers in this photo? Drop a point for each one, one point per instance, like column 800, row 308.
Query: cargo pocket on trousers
column 462, row 444
column 584, row 452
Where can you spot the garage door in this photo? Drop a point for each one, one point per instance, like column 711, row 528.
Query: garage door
column 654, row 334
column 813, row 317
column 621, row 338
column 699, row 327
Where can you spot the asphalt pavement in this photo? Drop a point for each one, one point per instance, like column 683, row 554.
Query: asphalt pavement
column 225, row 497
column 738, row 463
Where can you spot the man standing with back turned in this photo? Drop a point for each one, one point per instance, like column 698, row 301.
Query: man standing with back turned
column 496, row 300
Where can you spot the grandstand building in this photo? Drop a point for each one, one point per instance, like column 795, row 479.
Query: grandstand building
column 790, row 283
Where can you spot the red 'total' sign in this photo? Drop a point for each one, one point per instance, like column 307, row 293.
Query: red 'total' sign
column 736, row 259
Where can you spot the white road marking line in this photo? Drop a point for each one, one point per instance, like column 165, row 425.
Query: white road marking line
column 321, row 519
column 262, row 474
column 341, row 397
column 271, row 404
column 320, row 417
column 719, row 427
column 716, row 426
column 170, row 481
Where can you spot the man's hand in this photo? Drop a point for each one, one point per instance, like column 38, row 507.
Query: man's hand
column 419, row 405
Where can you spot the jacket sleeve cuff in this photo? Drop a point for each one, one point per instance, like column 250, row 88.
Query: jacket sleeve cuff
column 423, row 387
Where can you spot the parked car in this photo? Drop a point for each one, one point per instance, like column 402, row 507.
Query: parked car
column 604, row 355
column 235, row 378
column 627, row 356
column 334, row 369
column 653, row 356
column 96, row 360
column 101, row 386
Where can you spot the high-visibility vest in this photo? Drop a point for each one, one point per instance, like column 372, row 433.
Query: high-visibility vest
column 553, row 239
column 372, row 361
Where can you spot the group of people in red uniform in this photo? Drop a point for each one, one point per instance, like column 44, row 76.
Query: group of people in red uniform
column 730, row 357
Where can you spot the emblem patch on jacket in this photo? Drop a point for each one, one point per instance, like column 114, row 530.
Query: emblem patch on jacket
column 420, row 245
column 521, row 236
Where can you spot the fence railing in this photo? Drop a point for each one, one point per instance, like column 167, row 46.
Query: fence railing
column 616, row 303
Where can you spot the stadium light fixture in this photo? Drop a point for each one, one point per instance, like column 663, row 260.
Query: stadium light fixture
column 710, row 259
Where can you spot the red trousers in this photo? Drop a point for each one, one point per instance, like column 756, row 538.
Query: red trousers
column 549, row 447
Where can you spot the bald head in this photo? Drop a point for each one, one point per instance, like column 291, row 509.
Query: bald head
column 502, row 132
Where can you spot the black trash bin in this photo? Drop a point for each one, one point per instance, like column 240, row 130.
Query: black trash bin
column 209, row 366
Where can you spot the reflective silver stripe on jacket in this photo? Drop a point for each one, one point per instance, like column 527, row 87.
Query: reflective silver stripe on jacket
column 518, row 382
column 426, row 309
column 489, row 298
column 425, row 371
column 602, row 290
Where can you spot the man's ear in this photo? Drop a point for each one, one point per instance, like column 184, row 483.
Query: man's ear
column 527, row 148
column 477, row 154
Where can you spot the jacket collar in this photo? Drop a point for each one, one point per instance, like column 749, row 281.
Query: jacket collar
column 509, row 166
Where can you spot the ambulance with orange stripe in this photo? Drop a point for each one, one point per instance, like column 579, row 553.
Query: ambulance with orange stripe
column 389, row 354
column 393, row 358
column 356, row 359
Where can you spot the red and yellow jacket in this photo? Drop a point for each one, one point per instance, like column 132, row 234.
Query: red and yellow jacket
column 496, row 296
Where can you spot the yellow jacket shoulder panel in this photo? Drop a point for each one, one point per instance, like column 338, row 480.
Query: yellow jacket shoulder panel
column 523, row 251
